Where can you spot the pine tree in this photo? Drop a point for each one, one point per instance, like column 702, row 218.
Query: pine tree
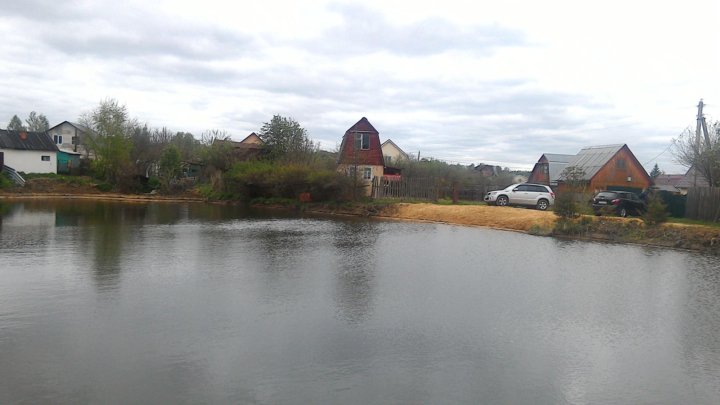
column 655, row 171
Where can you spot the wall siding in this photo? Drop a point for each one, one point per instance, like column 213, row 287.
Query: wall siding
column 613, row 176
column 30, row 161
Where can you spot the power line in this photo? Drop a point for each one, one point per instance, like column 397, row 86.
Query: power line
column 667, row 148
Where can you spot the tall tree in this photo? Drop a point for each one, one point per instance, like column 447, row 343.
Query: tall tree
column 701, row 154
column 15, row 124
column 286, row 140
column 37, row 122
column 110, row 139
column 655, row 171
column 170, row 166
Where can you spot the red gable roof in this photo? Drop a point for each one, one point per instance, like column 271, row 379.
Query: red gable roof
column 362, row 126
column 370, row 156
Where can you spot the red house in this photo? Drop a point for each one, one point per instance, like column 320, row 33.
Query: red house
column 361, row 152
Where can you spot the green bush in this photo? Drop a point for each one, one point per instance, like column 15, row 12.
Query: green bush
column 104, row 187
column 5, row 181
column 266, row 180
column 656, row 211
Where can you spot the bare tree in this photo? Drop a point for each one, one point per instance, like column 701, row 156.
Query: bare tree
column 702, row 154
column 37, row 122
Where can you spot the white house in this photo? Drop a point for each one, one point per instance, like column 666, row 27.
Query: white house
column 67, row 136
column 392, row 153
column 28, row 152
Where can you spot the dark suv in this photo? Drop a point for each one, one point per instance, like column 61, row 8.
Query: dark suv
column 622, row 203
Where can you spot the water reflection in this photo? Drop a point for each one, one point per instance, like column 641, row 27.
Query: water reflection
column 106, row 302
column 356, row 264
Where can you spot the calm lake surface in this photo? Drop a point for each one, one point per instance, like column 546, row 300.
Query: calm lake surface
column 190, row 303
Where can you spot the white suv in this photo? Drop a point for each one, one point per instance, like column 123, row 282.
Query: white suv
column 532, row 195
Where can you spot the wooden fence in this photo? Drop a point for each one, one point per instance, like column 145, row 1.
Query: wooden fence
column 703, row 203
column 405, row 188
column 425, row 189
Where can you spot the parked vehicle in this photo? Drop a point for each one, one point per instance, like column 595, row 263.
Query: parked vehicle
column 531, row 195
column 622, row 203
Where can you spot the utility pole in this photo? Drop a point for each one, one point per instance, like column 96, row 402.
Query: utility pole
column 701, row 127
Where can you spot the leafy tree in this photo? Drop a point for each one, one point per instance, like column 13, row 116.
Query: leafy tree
column 286, row 140
column 186, row 144
column 109, row 139
column 703, row 155
column 37, row 122
column 655, row 171
column 216, row 151
column 15, row 124
column 566, row 205
column 170, row 166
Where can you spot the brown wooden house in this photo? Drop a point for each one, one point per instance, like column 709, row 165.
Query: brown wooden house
column 361, row 152
column 548, row 168
column 612, row 167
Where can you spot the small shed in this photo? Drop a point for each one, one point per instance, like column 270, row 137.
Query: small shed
column 68, row 162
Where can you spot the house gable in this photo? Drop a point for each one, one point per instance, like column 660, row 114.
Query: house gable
column 361, row 145
column 67, row 136
column 252, row 139
column 548, row 168
column 610, row 166
column 392, row 151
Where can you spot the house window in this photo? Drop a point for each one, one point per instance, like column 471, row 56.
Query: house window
column 45, row 158
column 362, row 141
column 367, row 173
column 388, row 159
column 57, row 139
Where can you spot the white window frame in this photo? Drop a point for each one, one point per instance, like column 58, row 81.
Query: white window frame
column 367, row 173
column 362, row 140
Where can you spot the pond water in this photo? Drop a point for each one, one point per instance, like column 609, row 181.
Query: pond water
column 189, row 303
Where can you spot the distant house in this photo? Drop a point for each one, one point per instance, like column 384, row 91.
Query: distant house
column 249, row 148
column 68, row 136
column 28, row 152
column 609, row 167
column 488, row 170
column 392, row 153
column 548, row 168
column 361, row 153
column 680, row 183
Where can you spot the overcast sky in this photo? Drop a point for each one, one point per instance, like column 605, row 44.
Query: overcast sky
column 497, row 82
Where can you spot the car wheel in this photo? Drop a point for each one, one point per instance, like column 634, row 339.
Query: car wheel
column 501, row 201
column 542, row 205
column 623, row 212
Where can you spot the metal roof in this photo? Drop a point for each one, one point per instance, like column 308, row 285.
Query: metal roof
column 593, row 158
column 558, row 157
column 26, row 140
column 555, row 169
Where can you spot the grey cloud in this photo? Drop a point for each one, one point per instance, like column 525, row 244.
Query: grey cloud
column 76, row 29
column 366, row 31
column 195, row 43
